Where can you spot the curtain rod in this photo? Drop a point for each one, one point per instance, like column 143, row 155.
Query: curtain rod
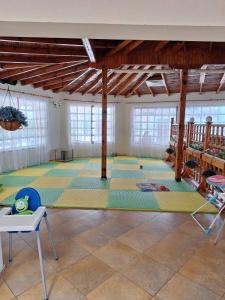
column 48, row 97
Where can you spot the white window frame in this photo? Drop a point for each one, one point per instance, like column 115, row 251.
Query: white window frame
column 89, row 131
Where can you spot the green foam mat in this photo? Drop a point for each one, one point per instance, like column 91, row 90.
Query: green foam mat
column 89, row 183
column 17, row 180
column 132, row 200
column 127, row 174
column 61, row 172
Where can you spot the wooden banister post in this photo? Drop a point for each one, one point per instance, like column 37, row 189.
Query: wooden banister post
column 104, row 123
column 181, row 117
column 171, row 125
column 190, row 132
column 207, row 133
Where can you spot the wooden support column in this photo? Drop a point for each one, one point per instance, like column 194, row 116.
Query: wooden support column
column 181, row 118
column 104, row 122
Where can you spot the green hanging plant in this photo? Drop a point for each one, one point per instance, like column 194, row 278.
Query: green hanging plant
column 12, row 118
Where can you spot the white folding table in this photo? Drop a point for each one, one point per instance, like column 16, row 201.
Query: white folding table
column 14, row 223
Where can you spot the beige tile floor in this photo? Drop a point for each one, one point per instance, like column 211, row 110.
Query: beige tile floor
column 108, row 255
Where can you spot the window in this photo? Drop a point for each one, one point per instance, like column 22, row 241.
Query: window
column 32, row 136
column 201, row 112
column 151, row 126
column 86, row 124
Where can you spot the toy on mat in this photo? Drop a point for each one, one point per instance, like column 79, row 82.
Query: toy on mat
column 21, row 206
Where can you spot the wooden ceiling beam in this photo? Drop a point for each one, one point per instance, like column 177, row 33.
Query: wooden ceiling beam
column 160, row 46
column 128, row 82
column 111, row 77
column 39, row 58
column 142, row 79
column 119, row 47
column 62, row 41
column 11, row 66
column 177, row 47
column 93, row 84
column 11, row 73
column 192, row 57
column 88, row 45
column 221, row 84
column 165, row 84
column 202, row 78
column 73, row 83
column 57, row 70
column 58, row 85
column 80, row 84
column 68, row 77
column 37, row 48
column 130, row 47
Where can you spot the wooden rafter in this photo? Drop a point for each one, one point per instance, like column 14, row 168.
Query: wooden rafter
column 202, row 78
column 133, row 45
column 70, row 76
column 39, row 58
column 165, row 83
column 88, row 76
column 10, row 66
column 16, row 71
column 221, row 84
column 177, row 47
column 111, row 77
column 119, row 81
column 53, row 72
column 160, row 46
column 39, row 48
column 93, row 84
column 119, row 47
column 73, row 83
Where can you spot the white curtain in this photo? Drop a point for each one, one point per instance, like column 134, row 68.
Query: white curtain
column 85, row 128
column 27, row 146
column 149, row 129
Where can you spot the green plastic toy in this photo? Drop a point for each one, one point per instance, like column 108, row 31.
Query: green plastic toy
column 21, row 206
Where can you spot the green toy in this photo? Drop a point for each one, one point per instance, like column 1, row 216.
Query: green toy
column 21, row 206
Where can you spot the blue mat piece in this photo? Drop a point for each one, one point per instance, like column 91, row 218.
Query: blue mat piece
column 127, row 174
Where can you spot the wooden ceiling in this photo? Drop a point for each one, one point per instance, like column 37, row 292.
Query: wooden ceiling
column 74, row 65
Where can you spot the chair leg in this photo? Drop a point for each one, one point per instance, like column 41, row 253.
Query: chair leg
column 10, row 248
column 51, row 239
column 41, row 266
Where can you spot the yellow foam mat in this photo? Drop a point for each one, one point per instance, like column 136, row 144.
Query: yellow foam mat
column 83, row 198
column 30, row 172
column 51, row 182
column 124, row 184
column 158, row 175
column 8, row 191
column 151, row 162
column 123, row 157
column 125, row 167
column 181, row 201
column 65, row 166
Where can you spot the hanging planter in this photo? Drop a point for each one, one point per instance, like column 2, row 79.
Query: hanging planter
column 11, row 118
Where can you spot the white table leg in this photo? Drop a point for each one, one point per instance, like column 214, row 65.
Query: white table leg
column 1, row 255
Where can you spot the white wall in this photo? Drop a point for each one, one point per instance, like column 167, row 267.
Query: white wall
column 126, row 19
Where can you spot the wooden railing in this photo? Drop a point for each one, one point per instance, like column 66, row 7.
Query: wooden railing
column 205, row 137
